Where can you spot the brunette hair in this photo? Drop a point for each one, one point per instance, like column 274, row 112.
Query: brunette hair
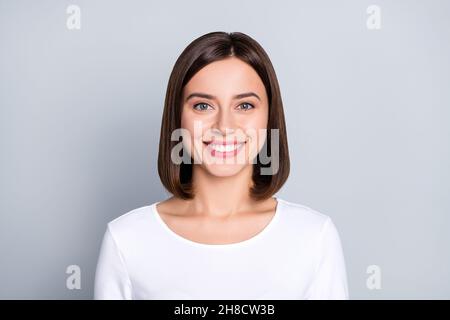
column 214, row 46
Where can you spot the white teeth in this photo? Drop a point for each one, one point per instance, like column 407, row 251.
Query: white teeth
column 225, row 148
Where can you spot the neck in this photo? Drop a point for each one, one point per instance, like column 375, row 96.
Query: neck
column 221, row 196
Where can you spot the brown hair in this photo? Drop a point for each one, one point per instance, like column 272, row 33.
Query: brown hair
column 214, row 46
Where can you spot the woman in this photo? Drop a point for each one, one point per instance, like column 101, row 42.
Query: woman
column 222, row 235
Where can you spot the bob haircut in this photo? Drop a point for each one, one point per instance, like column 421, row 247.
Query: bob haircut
column 214, row 46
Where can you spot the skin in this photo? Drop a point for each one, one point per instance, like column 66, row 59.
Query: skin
column 210, row 217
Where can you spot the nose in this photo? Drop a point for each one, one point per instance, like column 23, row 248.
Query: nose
column 224, row 122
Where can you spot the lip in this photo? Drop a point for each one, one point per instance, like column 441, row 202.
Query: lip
column 225, row 154
column 225, row 143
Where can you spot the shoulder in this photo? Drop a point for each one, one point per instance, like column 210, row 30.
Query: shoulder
column 309, row 230
column 130, row 223
column 301, row 220
column 297, row 212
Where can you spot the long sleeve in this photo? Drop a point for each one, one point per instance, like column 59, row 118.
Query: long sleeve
column 111, row 278
column 330, row 281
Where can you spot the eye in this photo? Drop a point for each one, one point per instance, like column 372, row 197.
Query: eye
column 202, row 106
column 247, row 106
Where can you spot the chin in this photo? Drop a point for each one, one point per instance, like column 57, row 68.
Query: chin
column 223, row 170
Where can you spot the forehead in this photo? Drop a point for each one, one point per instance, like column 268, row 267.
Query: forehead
column 226, row 77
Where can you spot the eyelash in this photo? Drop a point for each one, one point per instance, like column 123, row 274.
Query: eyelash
column 252, row 106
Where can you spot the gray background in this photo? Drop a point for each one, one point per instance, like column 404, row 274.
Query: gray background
column 367, row 113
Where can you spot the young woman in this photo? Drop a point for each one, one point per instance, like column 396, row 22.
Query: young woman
column 223, row 154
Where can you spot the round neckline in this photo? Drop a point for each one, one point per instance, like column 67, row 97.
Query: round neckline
column 246, row 242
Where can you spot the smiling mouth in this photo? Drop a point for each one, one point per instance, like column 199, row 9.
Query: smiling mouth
column 224, row 148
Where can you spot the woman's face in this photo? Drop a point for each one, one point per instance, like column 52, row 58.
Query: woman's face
column 225, row 110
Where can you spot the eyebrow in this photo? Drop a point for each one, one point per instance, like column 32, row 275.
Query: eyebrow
column 211, row 97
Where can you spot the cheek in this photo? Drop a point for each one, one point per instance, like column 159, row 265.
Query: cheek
column 260, row 118
column 257, row 124
column 193, row 134
column 256, row 128
column 191, row 121
column 186, row 120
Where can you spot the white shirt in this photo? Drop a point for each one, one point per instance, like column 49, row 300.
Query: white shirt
column 298, row 255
